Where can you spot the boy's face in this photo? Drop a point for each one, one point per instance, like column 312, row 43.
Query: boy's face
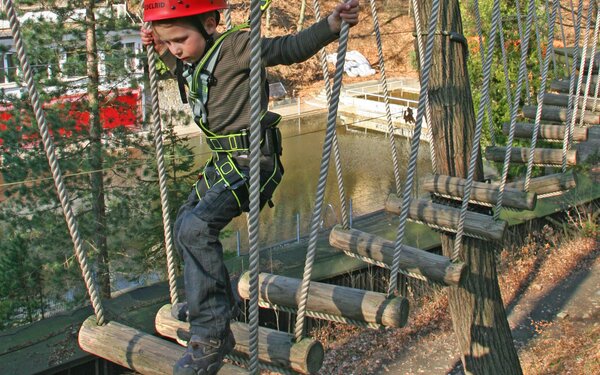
column 183, row 40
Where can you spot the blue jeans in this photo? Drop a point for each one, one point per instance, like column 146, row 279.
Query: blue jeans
column 196, row 232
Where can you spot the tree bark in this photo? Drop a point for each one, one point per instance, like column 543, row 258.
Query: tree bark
column 478, row 315
column 96, row 159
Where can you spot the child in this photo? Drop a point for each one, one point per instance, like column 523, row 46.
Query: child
column 215, row 68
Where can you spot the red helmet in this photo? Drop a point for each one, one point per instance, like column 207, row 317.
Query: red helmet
column 155, row 10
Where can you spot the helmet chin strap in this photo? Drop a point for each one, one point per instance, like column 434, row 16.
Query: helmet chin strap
column 207, row 38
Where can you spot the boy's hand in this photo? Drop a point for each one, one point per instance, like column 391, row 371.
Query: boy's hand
column 345, row 11
column 148, row 39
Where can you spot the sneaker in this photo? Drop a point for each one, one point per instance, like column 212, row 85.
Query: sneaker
column 204, row 356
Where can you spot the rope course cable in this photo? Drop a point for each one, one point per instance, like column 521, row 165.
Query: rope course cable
column 564, row 40
column 554, row 65
column 523, row 37
column 414, row 147
column 53, row 162
column 591, row 61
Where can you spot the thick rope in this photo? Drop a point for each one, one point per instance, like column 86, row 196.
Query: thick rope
column 428, row 116
column 228, row 16
column 594, row 107
column 554, row 65
column 570, row 114
column 485, row 99
column 386, row 98
column 515, row 107
column 316, row 218
column 541, row 93
column 504, row 54
column 253, row 217
column 564, row 40
column 590, row 64
column 414, row 147
column 520, row 27
column 336, row 149
column 162, row 174
column 53, row 162
column 482, row 56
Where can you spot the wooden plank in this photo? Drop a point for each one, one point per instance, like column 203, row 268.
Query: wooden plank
column 350, row 303
column 558, row 114
column 542, row 156
column 274, row 347
column 447, row 218
column 562, row 85
column 135, row 349
column 549, row 184
column 481, row 192
column 549, row 132
column 432, row 266
column 562, row 100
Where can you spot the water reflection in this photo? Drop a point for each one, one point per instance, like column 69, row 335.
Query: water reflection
column 367, row 170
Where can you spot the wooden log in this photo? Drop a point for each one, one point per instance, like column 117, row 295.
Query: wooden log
column 350, row 303
column 545, row 185
column 562, row 85
column 559, row 114
column 542, row 156
column 562, row 100
column 454, row 187
column 432, row 266
column 445, row 217
column 135, row 349
column 550, row 132
column 274, row 347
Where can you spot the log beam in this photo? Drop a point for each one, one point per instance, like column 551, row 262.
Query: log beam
column 432, row 266
column 481, row 192
column 547, row 185
column 447, row 218
column 548, row 132
column 558, row 114
column 274, row 347
column 350, row 303
column 135, row 349
column 542, row 156
column 562, row 100
column 562, row 85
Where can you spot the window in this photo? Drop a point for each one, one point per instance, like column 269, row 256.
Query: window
column 8, row 68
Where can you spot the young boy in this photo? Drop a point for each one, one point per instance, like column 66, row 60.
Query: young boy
column 215, row 68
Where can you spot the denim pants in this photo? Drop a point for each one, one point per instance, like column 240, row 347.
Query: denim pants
column 196, row 232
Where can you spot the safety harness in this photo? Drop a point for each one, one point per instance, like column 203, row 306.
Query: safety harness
column 199, row 81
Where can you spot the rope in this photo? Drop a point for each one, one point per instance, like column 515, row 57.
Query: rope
column 336, row 150
column 514, row 108
column 261, row 365
column 228, row 16
column 520, row 27
column 564, row 40
column 567, row 135
column 590, row 64
column 507, row 84
column 414, row 147
column 53, row 162
column 485, row 99
column 482, row 56
column 386, row 99
column 554, row 67
column 162, row 174
column 253, row 217
column 385, row 265
column 542, row 92
column 428, row 117
column 316, row 218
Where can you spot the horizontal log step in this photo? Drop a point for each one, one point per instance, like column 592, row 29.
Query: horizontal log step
column 274, row 347
column 562, row 85
column 134, row 349
column 548, row 132
column 446, row 218
column 337, row 301
column 542, row 156
column 433, row 267
column 559, row 114
column 549, row 185
column 481, row 192
column 562, row 100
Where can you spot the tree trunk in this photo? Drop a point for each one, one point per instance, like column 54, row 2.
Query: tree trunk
column 478, row 315
column 96, row 159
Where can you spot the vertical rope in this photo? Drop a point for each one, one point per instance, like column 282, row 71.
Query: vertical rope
column 316, row 217
column 63, row 196
column 582, row 59
column 253, row 222
column 228, row 15
column 386, row 99
column 542, row 92
column 336, row 150
column 162, row 174
column 485, row 99
column 482, row 56
column 428, row 116
column 567, row 135
column 564, row 40
column 414, row 146
column 590, row 64
column 516, row 100
column 554, row 66
column 520, row 27
column 505, row 67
